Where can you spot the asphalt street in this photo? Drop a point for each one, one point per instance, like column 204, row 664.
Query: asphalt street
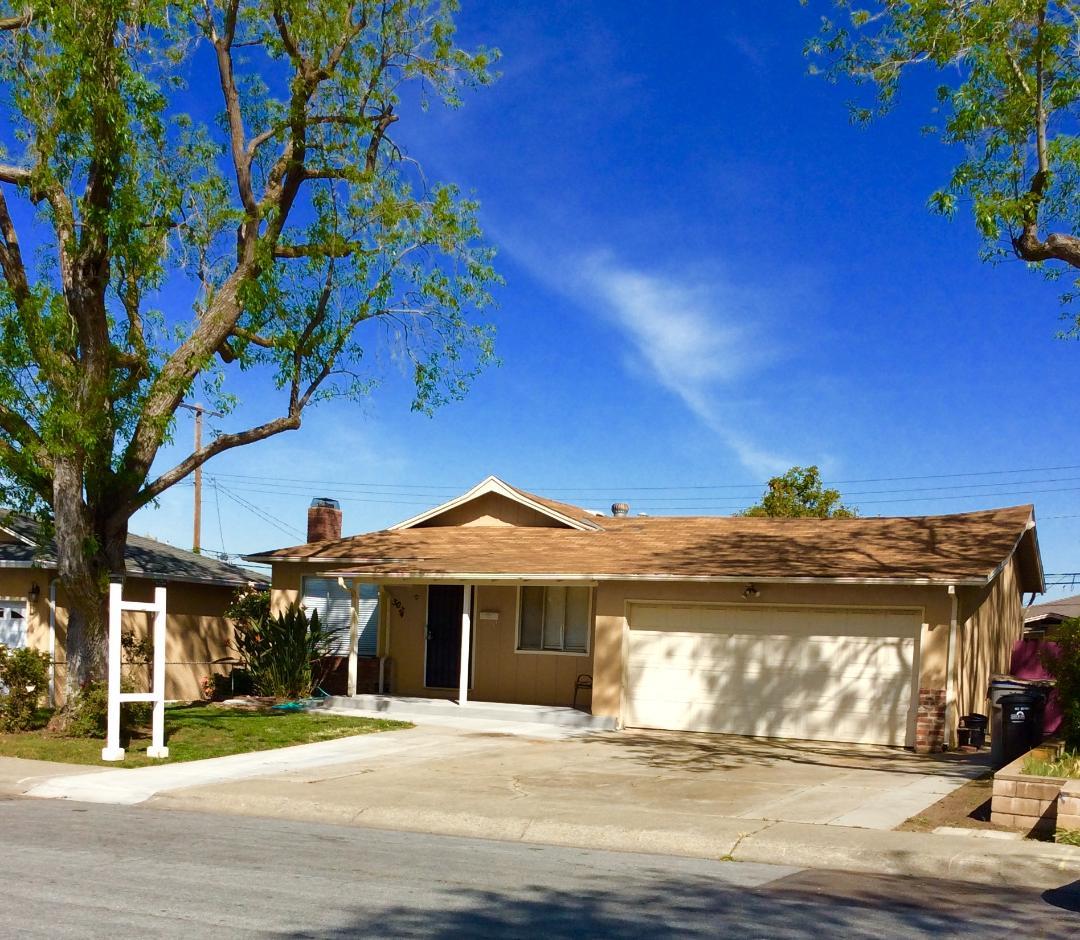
column 85, row 870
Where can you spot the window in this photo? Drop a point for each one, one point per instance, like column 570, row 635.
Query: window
column 554, row 619
column 333, row 603
column 12, row 623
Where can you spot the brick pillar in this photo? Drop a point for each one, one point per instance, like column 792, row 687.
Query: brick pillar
column 930, row 721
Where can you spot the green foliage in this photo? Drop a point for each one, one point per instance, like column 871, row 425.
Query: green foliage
column 799, row 493
column 1063, row 663
column 24, row 680
column 249, row 607
column 281, row 654
column 1006, row 106
column 312, row 250
column 88, row 715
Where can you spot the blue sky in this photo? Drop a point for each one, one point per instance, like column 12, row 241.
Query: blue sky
column 710, row 275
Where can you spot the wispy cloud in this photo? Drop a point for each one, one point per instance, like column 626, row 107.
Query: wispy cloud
column 695, row 336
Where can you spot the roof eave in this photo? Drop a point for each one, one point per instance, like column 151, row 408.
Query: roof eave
column 473, row 576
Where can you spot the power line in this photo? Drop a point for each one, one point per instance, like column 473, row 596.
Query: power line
column 431, row 488
column 264, row 515
column 272, row 486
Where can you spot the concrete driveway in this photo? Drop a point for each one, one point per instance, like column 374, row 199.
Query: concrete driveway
column 581, row 789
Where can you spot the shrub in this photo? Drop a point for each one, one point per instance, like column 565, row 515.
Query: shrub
column 249, row 607
column 90, row 712
column 281, row 654
column 24, row 678
column 1063, row 663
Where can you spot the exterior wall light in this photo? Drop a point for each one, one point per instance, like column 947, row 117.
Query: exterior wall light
column 751, row 592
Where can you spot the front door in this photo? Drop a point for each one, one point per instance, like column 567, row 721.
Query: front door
column 443, row 668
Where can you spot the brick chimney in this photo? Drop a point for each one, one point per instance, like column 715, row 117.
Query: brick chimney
column 323, row 519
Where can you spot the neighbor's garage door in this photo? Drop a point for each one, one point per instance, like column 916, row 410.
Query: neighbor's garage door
column 836, row 674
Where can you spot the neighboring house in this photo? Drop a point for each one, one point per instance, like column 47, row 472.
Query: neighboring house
column 1039, row 618
column 876, row 630
column 33, row 609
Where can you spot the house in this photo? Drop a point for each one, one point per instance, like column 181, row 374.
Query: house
column 874, row 630
column 33, row 609
column 1040, row 618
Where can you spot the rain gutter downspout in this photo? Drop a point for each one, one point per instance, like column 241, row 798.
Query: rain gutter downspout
column 950, row 668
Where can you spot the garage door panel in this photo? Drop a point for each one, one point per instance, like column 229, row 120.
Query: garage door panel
column 828, row 674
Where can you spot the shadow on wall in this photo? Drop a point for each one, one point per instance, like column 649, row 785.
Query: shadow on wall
column 695, row 906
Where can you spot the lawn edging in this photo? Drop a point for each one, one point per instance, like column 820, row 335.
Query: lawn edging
column 1028, row 802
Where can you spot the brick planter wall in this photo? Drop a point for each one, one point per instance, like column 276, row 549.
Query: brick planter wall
column 1068, row 808
column 930, row 721
column 1025, row 802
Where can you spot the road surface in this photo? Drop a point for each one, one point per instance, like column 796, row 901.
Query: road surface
column 86, row 870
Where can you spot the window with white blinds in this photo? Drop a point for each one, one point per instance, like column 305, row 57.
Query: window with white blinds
column 333, row 604
column 554, row 619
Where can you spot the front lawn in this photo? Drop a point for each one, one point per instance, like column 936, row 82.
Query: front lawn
column 196, row 731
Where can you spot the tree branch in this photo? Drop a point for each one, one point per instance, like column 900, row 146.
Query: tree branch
column 218, row 445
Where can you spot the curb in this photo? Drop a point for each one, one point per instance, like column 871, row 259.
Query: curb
column 798, row 845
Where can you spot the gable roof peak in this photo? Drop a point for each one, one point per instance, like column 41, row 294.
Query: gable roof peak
column 573, row 517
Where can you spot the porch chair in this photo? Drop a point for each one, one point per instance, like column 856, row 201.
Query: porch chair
column 583, row 683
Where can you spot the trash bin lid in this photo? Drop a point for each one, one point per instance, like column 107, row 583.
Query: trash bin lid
column 1028, row 699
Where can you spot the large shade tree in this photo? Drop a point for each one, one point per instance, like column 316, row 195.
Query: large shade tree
column 1009, row 74
column 193, row 189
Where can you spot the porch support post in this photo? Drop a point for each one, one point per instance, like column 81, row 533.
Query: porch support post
column 354, row 630
column 157, row 742
column 466, row 638
column 112, row 749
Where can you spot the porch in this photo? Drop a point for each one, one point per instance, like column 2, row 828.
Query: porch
column 508, row 651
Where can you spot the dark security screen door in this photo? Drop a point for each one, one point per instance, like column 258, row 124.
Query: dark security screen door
column 445, row 602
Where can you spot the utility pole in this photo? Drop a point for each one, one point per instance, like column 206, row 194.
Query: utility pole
column 199, row 411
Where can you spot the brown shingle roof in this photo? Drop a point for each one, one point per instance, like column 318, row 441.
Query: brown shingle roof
column 964, row 547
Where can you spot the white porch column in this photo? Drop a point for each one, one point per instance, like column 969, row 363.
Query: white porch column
column 354, row 633
column 466, row 640
column 157, row 740
column 112, row 749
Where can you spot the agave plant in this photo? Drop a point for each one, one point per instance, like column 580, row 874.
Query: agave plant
column 282, row 653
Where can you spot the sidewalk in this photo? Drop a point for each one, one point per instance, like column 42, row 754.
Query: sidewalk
column 17, row 775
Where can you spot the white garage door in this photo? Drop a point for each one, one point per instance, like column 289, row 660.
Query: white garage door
column 837, row 674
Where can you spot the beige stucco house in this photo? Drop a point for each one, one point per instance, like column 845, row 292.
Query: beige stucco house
column 34, row 611
column 874, row 630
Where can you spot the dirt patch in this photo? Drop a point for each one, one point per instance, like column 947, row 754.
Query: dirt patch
column 968, row 807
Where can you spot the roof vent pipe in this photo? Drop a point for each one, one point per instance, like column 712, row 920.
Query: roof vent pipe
column 620, row 509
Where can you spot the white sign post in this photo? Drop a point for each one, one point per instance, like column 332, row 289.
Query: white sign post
column 117, row 605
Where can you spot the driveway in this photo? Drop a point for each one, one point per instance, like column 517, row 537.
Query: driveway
column 575, row 788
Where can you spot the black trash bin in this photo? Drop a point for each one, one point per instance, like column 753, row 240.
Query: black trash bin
column 972, row 731
column 1000, row 686
column 1020, row 730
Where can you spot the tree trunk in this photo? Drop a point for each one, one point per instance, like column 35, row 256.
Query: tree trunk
column 87, row 553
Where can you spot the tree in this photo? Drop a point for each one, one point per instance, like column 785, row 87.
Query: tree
column 1008, row 98
column 194, row 189
column 799, row 493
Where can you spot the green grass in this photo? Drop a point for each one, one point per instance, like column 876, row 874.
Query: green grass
column 197, row 731
column 1068, row 837
column 1066, row 765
